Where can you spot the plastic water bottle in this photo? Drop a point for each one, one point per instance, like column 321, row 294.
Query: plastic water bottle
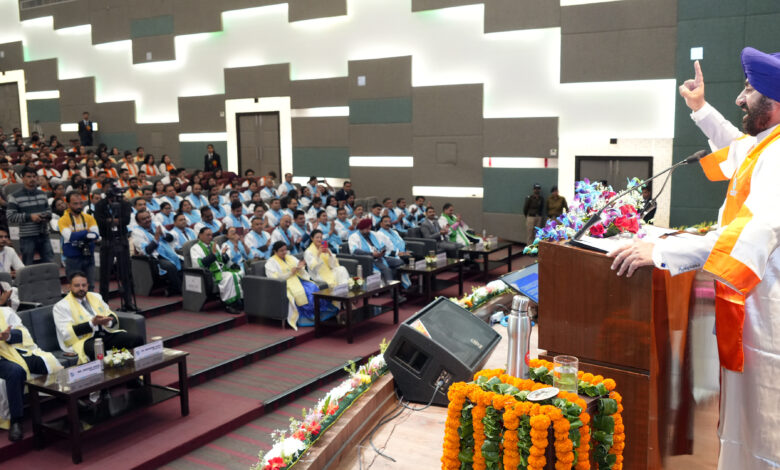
column 360, row 271
column 99, row 350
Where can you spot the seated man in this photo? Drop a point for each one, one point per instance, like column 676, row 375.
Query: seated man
column 9, row 259
column 151, row 240
column 171, row 197
column 207, row 220
column 258, row 240
column 209, row 256
column 269, row 193
column 151, row 202
column 216, row 208
column 344, row 226
column 299, row 231
column 365, row 242
column 282, row 233
column 236, row 217
column 430, row 228
column 275, row 213
column 458, row 230
column 390, row 238
column 181, row 232
column 19, row 358
column 82, row 316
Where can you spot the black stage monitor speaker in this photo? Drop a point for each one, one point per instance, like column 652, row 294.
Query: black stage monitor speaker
column 444, row 343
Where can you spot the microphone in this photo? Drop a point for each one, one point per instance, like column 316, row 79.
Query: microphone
column 597, row 216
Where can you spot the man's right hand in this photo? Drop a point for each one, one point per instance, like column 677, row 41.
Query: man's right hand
column 101, row 320
column 6, row 334
column 35, row 217
column 693, row 90
column 158, row 233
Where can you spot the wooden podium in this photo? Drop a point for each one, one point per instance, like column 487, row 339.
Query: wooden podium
column 620, row 328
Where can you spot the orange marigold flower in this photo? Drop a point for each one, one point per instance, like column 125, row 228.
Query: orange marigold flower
column 565, row 446
column 610, row 384
column 597, row 379
column 587, row 377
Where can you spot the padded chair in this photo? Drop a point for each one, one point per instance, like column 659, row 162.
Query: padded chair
column 145, row 276
column 416, row 248
column 39, row 283
column 11, row 188
column 413, row 232
column 199, row 286
column 264, row 297
column 428, row 245
column 220, row 240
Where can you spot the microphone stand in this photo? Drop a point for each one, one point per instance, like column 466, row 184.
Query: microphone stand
column 597, row 216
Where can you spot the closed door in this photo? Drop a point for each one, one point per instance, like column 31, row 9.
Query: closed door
column 10, row 116
column 258, row 143
column 616, row 171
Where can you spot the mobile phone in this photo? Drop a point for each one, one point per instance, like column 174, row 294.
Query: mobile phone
column 325, row 243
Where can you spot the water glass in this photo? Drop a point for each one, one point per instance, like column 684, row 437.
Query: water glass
column 565, row 373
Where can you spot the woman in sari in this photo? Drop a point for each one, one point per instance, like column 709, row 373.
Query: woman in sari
column 328, row 229
column 322, row 264
column 206, row 254
column 300, row 290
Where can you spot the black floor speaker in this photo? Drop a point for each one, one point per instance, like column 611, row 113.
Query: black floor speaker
column 441, row 344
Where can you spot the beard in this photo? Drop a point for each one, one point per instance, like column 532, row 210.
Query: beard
column 757, row 120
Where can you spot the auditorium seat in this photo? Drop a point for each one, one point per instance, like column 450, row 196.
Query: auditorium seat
column 264, row 297
column 199, row 285
column 39, row 283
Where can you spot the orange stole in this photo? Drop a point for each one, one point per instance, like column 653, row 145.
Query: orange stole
column 730, row 304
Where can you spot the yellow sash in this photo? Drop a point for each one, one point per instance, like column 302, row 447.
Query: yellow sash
column 325, row 272
column 80, row 315
column 294, row 286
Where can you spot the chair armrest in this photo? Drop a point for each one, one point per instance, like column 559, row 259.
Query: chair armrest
column 416, row 248
column 28, row 305
column 350, row 264
column 265, row 297
column 132, row 323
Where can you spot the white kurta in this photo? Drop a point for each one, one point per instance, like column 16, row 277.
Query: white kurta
column 274, row 271
column 230, row 282
column 314, row 264
column 750, row 408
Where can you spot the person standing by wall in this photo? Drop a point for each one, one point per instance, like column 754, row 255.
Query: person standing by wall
column 532, row 210
column 556, row 204
column 85, row 129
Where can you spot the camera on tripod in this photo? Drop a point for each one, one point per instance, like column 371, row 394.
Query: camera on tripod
column 85, row 245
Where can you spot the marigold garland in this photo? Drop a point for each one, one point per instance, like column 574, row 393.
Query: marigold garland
column 542, row 417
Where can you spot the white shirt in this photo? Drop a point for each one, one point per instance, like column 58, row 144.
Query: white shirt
column 63, row 320
column 9, row 260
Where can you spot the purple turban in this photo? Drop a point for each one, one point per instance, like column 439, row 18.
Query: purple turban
column 762, row 71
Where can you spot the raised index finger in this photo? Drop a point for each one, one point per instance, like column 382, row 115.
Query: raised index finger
column 698, row 77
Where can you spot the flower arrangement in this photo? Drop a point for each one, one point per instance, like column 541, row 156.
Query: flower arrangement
column 624, row 216
column 430, row 260
column 292, row 443
column 117, row 357
column 491, row 425
column 480, row 295
column 356, row 283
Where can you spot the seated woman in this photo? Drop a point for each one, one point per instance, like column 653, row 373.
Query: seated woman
column 237, row 251
column 193, row 215
column 207, row 255
column 328, row 229
column 300, row 289
column 322, row 264
column 166, row 215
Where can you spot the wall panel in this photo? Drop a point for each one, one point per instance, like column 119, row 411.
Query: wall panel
column 384, row 78
column 41, row 75
column 380, row 139
column 153, row 49
column 320, row 132
column 520, row 137
column 447, row 110
column 332, row 162
column 13, row 56
column 448, row 161
column 318, row 93
column 258, row 81
column 309, row 9
column 511, row 15
column 202, row 113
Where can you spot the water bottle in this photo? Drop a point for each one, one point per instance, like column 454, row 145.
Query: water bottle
column 523, row 343
column 99, row 351
column 360, row 271
column 484, row 234
column 511, row 330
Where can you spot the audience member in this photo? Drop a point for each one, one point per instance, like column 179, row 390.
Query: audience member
column 236, row 218
column 181, row 232
column 207, row 220
column 282, row 234
column 85, row 129
column 286, row 186
column 9, row 260
column 150, row 240
column 79, row 233
column 365, row 242
column 430, row 228
column 458, row 229
column 28, row 209
column 322, row 264
column 258, row 240
column 206, row 254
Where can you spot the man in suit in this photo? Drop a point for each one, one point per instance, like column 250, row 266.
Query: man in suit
column 211, row 161
column 431, row 229
column 85, row 130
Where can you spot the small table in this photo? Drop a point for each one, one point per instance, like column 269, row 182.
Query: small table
column 428, row 275
column 348, row 298
column 485, row 252
column 70, row 426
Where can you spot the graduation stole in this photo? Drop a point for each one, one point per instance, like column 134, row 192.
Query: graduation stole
column 325, row 272
column 14, row 352
column 730, row 304
column 261, row 240
column 398, row 243
column 216, row 267
column 80, row 315
column 294, row 286
column 456, row 232
column 365, row 246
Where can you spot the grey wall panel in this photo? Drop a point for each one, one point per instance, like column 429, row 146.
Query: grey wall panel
column 77, row 92
column 149, row 8
column 110, row 21
column 385, row 78
column 510, row 15
column 262, row 80
column 506, row 226
column 161, row 48
column 642, row 54
column 308, row 9
column 115, row 116
column 380, row 139
column 434, row 165
column 65, row 15
column 13, row 56
column 470, row 208
column 197, row 16
column 614, row 16
column 159, row 139
column 320, row 132
column 41, row 75
column 420, row 5
column 382, row 182
column 319, row 92
column 520, row 137
column 202, row 113
column 447, row 110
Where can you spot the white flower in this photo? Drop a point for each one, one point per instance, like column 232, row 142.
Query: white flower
column 481, row 292
column 286, row 447
column 496, row 285
column 377, row 362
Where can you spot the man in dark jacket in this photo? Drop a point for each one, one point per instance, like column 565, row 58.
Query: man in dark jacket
column 113, row 216
column 211, row 161
column 534, row 205
column 85, row 130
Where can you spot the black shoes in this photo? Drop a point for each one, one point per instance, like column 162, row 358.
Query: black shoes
column 15, row 432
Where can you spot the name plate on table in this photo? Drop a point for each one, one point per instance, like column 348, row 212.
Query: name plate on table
column 441, row 259
column 480, row 246
column 420, row 265
column 85, row 371
column 341, row 289
column 13, row 232
column 373, row 281
column 493, row 241
column 155, row 348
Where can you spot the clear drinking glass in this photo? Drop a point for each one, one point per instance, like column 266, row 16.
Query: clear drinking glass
column 565, row 373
